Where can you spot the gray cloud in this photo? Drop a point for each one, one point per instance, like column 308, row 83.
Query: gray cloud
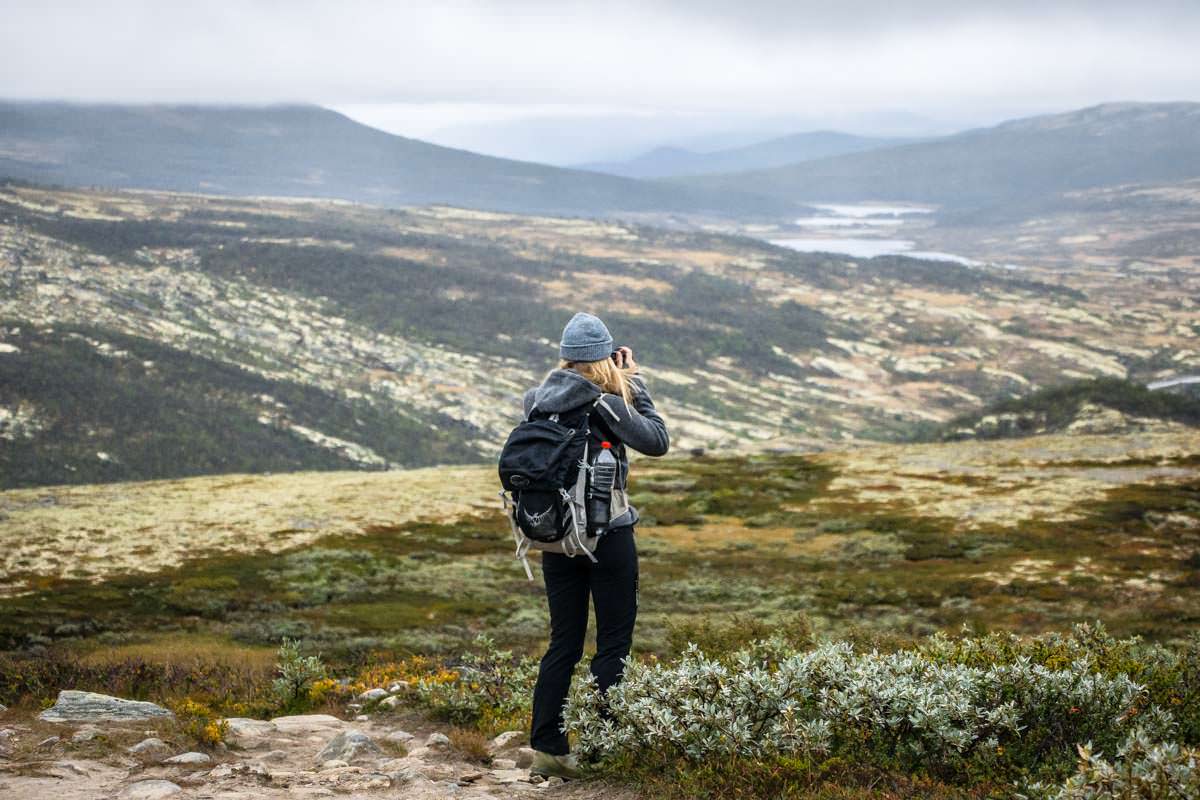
column 943, row 59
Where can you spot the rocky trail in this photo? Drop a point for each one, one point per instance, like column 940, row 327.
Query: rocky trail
column 90, row 746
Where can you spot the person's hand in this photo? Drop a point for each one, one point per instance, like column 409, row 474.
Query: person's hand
column 625, row 359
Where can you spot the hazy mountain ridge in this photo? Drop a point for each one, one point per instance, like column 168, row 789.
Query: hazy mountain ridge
column 666, row 162
column 309, row 151
column 347, row 316
column 1018, row 167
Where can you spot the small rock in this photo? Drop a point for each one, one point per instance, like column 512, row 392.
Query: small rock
column 470, row 777
column 398, row 737
column 333, row 763
column 190, row 758
column 85, row 734
column 349, row 746
column 373, row 695
column 389, row 703
column 525, row 757
column 7, row 738
column 504, row 763
column 274, row 755
column 281, row 777
column 504, row 740
column 354, row 708
column 508, row 776
column 554, row 780
column 362, row 718
column 398, row 686
column 73, row 706
column 536, row 779
column 48, row 742
column 3, row 708
column 437, row 740
column 150, row 748
column 150, row 790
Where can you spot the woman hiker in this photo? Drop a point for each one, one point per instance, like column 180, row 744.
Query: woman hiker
column 591, row 368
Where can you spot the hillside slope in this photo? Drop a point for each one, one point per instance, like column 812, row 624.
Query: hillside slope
column 289, row 335
column 311, row 152
column 1017, row 167
column 665, row 162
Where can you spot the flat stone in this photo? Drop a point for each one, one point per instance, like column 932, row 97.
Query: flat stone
column 333, row 763
column 48, row 742
column 150, row 790
column 504, row 740
column 525, row 757
column 373, row 695
column 504, row 763
column 243, row 726
column 349, row 746
column 399, row 737
column 73, row 706
column 307, row 723
column 274, row 755
column 190, row 758
column 507, row 776
column 470, row 777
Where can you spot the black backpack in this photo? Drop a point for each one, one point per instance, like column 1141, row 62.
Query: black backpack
column 544, row 471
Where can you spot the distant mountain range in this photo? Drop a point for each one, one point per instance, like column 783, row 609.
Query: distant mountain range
column 1014, row 168
column 313, row 152
column 663, row 162
column 1008, row 172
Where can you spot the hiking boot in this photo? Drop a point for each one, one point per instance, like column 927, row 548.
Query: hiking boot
column 549, row 766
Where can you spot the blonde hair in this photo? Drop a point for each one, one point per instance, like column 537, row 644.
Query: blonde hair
column 605, row 374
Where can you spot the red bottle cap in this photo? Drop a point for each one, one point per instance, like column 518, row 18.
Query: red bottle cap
column 605, row 445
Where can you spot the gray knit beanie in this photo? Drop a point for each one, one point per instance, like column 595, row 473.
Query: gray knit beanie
column 585, row 339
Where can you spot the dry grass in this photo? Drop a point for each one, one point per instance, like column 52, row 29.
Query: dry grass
column 471, row 745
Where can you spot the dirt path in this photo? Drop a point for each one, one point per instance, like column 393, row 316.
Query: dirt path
column 265, row 760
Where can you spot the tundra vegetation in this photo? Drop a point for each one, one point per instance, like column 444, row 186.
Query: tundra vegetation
column 889, row 643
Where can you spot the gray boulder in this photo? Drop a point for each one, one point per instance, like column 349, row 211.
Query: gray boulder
column 349, row 746
column 150, row 748
column 73, row 706
column 373, row 695
column 191, row 758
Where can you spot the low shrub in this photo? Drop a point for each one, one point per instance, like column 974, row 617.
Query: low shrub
column 899, row 711
column 298, row 674
column 1142, row 769
column 490, row 689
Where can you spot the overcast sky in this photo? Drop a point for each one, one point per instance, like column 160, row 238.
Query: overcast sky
column 671, row 68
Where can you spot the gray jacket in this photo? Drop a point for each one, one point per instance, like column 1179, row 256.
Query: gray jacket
column 637, row 425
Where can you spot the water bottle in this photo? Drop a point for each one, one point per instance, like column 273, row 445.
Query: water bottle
column 604, row 476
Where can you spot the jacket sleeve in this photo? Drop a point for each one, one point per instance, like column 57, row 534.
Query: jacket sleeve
column 527, row 403
column 639, row 426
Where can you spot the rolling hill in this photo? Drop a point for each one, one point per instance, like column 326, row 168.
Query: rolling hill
column 311, row 152
column 663, row 162
column 1019, row 167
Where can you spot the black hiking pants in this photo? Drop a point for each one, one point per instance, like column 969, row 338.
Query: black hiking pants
column 612, row 583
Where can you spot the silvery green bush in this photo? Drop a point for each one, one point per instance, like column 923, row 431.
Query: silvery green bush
column 897, row 711
column 1142, row 770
